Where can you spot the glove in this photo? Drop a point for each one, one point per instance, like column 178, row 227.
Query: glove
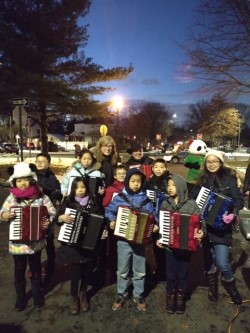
column 228, row 218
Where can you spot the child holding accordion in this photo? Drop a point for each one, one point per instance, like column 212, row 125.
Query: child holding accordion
column 131, row 255
column 178, row 259
column 79, row 204
column 28, row 211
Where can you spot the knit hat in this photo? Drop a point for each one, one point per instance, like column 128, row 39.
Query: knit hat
column 22, row 169
column 134, row 147
column 217, row 153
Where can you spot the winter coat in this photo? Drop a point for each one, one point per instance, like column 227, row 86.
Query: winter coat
column 115, row 188
column 74, row 253
column 158, row 183
column 50, row 184
column 136, row 200
column 226, row 185
column 184, row 205
column 27, row 247
column 78, row 171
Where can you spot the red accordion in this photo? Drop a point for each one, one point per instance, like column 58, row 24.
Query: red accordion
column 146, row 169
column 28, row 223
column 177, row 230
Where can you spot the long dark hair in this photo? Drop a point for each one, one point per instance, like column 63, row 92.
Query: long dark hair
column 71, row 196
column 219, row 174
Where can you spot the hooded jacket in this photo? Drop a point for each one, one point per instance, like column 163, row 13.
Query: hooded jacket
column 184, row 205
column 136, row 200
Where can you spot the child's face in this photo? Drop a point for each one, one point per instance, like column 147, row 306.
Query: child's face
column 86, row 160
column 80, row 190
column 23, row 183
column 120, row 175
column 135, row 183
column 171, row 188
column 42, row 163
column 159, row 169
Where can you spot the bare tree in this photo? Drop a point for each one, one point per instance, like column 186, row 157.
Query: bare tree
column 146, row 119
column 219, row 47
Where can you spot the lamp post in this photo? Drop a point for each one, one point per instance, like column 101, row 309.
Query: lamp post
column 117, row 104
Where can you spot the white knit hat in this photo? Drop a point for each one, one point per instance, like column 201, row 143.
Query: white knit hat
column 22, row 169
column 217, row 153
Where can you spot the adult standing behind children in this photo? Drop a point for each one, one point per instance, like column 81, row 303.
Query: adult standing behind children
column 107, row 155
column 129, row 253
column 47, row 179
column 25, row 193
column 137, row 158
column 216, row 246
column 178, row 260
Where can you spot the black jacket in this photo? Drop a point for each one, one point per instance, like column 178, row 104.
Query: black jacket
column 50, row 184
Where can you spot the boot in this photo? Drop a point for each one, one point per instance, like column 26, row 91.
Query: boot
column 170, row 302
column 212, row 279
column 20, row 296
column 232, row 291
column 38, row 297
column 74, row 306
column 85, row 306
column 180, row 302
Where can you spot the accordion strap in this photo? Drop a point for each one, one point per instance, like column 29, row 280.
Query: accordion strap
column 143, row 203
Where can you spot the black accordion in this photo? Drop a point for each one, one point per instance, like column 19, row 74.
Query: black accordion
column 85, row 232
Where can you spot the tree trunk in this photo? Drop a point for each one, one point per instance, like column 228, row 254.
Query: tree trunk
column 43, row 126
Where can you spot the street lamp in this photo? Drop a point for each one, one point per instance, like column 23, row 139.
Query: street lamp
column 117, row 104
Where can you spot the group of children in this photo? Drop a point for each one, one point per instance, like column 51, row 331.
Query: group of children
column 39, row 186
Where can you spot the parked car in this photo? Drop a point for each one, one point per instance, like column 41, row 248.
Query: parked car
column 175, row 157
column 61, row 148
column 9, row 148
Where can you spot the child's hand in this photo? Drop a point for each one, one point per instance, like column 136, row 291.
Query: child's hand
column 8, row 215
column 155, row 229
column 199, row 234
column 45, row 223
column 66, row 218
column 160, row 245
column 112, row 225
column 104, row 234
column 101, row 190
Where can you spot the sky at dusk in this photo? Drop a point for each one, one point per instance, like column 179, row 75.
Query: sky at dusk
column 145, row 33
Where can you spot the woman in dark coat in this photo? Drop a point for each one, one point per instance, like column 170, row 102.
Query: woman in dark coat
column 216, row 246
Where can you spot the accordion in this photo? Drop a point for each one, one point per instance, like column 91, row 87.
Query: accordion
column 133, row 225
column 85, row 231
column 157, row 198
column 177, row 230
column 28, row 223
column 244, row 224
column 146, row 169
column 213, row 206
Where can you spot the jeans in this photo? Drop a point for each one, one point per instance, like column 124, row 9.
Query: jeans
column 177, row 269
column 131, row 254
column 217, row 256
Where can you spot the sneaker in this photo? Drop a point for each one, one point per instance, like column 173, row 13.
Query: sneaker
column 141, row 303
column 74, row 306
column 180, row 302
column 119, row 302
column 171, row 302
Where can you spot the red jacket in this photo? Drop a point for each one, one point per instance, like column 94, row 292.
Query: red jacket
column 116, row 187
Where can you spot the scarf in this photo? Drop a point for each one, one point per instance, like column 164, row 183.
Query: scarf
column 30, row 193
column 82, row 201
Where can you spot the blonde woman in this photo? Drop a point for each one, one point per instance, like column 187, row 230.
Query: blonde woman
column 106, row 153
